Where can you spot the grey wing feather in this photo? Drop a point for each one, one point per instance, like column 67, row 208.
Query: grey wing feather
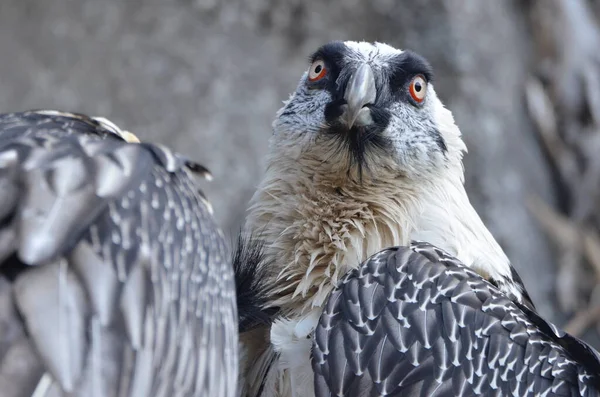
column 119, row 273
column 413, row 321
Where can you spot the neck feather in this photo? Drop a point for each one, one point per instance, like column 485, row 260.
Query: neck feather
column 316, row 230
column 448, row 220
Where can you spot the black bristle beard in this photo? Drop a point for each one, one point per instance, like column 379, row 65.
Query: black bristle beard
column 361, row 142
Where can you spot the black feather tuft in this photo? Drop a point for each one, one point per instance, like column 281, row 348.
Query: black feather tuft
column 362, row 142
column 405, row 66
column 250, row 269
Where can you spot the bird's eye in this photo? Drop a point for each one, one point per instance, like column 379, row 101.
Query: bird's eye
column 418, row 88
column 317, row 71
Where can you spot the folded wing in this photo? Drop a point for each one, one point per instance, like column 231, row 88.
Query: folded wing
column 413, row 321
column 118, row 273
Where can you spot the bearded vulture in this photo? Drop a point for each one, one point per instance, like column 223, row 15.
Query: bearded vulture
column 119, row 278
column 364, row 156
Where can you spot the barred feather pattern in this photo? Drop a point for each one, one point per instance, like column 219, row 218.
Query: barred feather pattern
column 120, row 274
column 414, row 321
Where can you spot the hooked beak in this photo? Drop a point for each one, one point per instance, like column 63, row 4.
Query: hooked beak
column 360, row 91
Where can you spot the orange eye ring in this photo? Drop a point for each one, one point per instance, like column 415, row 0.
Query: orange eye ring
column 418, row 88
column 317, row 71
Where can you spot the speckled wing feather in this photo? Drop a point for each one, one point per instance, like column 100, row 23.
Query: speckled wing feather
column 118, row 271
column 413, row 321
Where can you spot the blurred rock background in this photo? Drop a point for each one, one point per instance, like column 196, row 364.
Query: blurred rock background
column 207, row 76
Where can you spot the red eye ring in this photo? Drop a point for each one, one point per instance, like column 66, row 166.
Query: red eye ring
column 418, row 88
column 317, row 71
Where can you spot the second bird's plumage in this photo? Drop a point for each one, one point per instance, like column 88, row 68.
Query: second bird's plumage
column 117, row 269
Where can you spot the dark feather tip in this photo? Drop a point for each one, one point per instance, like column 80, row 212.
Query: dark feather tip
column 199, row 170
column 12, row 267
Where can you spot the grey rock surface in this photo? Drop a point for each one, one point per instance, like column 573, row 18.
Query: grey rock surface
column 206, row 77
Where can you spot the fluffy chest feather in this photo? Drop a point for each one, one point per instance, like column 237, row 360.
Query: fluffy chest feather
column 315, row 235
